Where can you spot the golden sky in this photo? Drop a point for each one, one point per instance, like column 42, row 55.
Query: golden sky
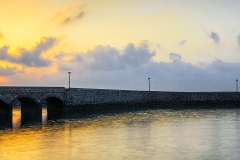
column 41, row 40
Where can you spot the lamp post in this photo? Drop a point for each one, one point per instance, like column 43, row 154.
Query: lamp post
column 237, row 85
column 149, row 84
column 69, row 73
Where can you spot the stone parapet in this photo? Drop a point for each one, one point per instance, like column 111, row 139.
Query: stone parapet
column 79, row 97
column 10, row 89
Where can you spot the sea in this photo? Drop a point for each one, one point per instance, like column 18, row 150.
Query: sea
column 154, row 134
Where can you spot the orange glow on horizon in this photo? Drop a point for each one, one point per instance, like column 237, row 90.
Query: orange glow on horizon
column 4, row 80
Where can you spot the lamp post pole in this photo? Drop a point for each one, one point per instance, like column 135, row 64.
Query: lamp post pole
column 149, row 84
column 237, row 85
column 69, row 73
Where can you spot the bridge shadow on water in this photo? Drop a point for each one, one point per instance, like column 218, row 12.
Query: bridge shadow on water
column 19, row 118
column 16, row 120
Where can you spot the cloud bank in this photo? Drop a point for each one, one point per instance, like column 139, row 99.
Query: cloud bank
column 129, row 68
column 110, row 58
column 30, row 58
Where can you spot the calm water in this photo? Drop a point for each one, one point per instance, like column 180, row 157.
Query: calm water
column 149, row 134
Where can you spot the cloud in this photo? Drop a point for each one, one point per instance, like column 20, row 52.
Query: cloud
column 68, row 15
column 7, row 71
column 1, row 35
column 74, row 18
column 165, row 76
column 182, row 43
column 78, row 58
column 103, row 67
column 215, row 37
column 174, row 57
column 129, row 68
column 110, row 58
column 238, row 40
column 63, row 67
column 30, row 58
column 66, row 60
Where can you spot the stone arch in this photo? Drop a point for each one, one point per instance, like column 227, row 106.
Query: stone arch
column 31, row 110
column 55, row 106
column 51, row 96
column 22, row 96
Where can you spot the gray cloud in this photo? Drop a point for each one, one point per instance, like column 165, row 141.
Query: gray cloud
column 174, row 57
column 59, row 56
column 182, row 43
column 109, row 58
column 30, row 58
column 73, row 18
column 238, row 40
column 7, row 71
column 105, row 58
column 65, row 60
column 165, row 76
column 78, row 58
column 64, row 68
column 215, row 37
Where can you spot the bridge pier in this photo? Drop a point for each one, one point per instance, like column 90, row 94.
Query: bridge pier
column 31, row 111
column 5, row 115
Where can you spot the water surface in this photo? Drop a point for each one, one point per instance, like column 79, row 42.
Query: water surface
column 148, row 134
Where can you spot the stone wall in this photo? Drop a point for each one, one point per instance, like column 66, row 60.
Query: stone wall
column 78, row 98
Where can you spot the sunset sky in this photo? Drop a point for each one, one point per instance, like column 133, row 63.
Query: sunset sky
column 182, row 45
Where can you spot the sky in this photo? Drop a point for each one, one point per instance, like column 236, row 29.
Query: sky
column 181, row 45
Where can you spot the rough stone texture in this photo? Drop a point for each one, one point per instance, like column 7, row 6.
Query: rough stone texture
column 38, row 94
column 84, row 99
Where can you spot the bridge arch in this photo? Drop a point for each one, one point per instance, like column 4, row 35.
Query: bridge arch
column 51, row 96
column 31, row 110
column 24, row 96
column 55, row 106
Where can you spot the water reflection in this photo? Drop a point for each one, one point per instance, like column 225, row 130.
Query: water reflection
column 149, row 134
column 44, row 116
column 17, row 120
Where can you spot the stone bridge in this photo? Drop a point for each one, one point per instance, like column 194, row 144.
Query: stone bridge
column 59, row 99
column 32, row 99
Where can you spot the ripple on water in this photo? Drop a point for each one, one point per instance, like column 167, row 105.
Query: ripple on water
column 149, row 134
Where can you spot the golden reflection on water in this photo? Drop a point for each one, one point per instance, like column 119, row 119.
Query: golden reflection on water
column 202, row 134
column 16, row 118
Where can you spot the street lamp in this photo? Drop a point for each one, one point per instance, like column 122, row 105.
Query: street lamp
column 237, row 85
column 149, row 84
column 69, row 73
